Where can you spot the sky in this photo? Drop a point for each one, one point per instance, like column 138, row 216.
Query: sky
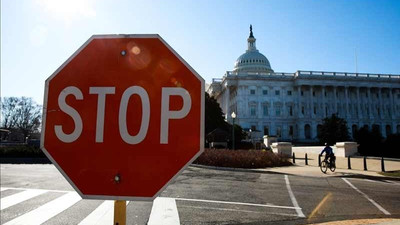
column 38, row 36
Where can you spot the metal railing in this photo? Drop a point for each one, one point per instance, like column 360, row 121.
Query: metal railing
column 346, row 74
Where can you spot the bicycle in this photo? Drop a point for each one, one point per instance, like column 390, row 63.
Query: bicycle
column 325, row 164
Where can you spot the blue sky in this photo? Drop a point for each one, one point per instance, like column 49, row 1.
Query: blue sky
column 38, row 36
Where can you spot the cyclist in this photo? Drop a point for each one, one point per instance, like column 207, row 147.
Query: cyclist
column 328, row 154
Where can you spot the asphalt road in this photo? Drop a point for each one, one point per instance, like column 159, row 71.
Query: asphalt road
column 35, row 194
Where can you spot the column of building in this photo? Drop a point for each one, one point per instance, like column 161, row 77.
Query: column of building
column 323, row 90
column 359, row 116
column 300, row 124
column 369, row 99
column 335, row 100
column 227, row 97
column 392, row 111
column 313, row 125
column 346, row 96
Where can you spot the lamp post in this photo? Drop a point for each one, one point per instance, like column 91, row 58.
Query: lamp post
column 233, row 115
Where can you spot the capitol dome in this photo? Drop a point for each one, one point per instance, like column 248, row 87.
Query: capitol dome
column 252, row 60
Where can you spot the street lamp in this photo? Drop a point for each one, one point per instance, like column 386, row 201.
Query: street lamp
column 233, row 115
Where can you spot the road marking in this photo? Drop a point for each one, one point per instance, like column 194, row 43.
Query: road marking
column 377, row 181
column 294, row 201
column 164, row 212
column 320, row 205
column 19, row 197
column 366, row 196
column 98, row 213
column 237, row 203
column 46, row 211
column 24, row 189
column 103, row 214
column 393, row 182
column 238, row 210
column 3, row 189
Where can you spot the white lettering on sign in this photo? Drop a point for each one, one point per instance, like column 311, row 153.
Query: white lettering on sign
column 101, row 106
column 68, row 138
column 123, row 108
column 166, row 113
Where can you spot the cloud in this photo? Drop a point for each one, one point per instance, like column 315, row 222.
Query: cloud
column 68, row 10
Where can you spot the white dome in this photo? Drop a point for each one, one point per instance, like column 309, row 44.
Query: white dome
column 252, row 60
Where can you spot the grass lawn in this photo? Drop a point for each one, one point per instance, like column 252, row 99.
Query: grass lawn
column 395, row 173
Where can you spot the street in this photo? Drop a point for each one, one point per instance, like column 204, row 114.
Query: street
column 39, row 194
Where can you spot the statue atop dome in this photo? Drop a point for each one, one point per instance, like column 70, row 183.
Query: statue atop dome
column 251, row 31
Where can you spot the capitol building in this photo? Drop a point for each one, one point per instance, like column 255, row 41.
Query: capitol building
column 292, row 106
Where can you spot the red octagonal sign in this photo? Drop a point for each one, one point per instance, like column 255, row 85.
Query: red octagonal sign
column 123, row 116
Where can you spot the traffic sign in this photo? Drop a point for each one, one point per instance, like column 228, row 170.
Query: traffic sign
column 122, row 117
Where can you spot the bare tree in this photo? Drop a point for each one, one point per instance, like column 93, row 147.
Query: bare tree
column 21, row 113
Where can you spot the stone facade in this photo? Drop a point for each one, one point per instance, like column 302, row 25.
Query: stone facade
column 292, row 106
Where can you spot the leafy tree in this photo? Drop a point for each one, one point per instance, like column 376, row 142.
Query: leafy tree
column 391, row 146
column 22, row 114
column 334, row 129
column 214, row 118
column 371, row 143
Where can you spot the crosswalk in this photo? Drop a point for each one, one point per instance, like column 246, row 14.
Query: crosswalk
column 163, row 211
column 163, row 208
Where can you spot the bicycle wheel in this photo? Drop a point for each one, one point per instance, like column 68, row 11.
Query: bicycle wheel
column 332, row 167
column 324, row 166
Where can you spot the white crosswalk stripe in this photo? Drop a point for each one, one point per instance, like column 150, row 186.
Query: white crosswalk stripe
column 19, row 197
column 46, row 211
column 164, row 211
column 3, row 189
column 104, row 214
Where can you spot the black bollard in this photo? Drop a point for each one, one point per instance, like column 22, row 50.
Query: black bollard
column 294, row 158
column 383, row 165
column 319, row 160
column 306, row 159
column 348, row 163
column 365, row 163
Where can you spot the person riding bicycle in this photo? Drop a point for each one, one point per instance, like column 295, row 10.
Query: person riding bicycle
column 328, row 153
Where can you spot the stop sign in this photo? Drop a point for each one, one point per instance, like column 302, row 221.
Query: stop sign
column 123, row 116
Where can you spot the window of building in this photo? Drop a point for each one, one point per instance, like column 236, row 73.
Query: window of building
column 307, row 131
column 313, row 93
column 278, row 111
column 266, row 130
column 277, row 92
column 289, row 92
column 265, row 110
column 290, row 110
column 253, row 110
column 302, row 93
column 325, row 93
column 252, row 92
column 302, row 110
column 265, row 92
column 253, row 128
column 278, row 132
column 290, row 130
column 315, row 110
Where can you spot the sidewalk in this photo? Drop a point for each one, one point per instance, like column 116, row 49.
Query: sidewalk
column 357, row 162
